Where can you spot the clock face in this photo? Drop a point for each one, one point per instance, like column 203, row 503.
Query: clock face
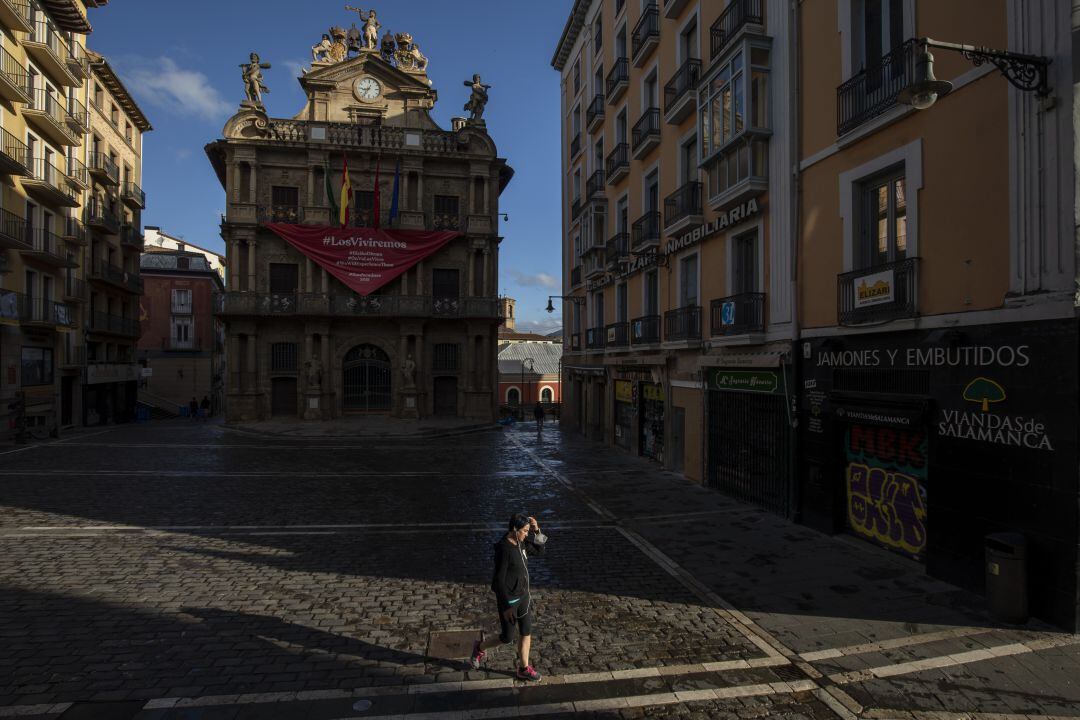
column 368, row 88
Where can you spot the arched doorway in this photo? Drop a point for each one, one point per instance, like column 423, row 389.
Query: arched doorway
column 367, row 380
column 547, row 396
column 513, row 397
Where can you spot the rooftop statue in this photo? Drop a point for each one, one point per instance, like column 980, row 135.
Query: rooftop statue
column 388, row 47
column 354, row 39
column 253, row 80
column 371, row 27
column 477, row 99
column 408, row 55
column 321, row 52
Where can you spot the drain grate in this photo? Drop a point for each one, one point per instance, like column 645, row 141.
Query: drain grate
column 789, row 673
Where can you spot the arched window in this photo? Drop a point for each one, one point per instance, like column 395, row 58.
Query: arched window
column 547, row 396
column 513, row 397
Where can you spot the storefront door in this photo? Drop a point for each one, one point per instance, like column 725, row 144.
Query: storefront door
column 651, row 427
column 623, row 414
column 885, row 486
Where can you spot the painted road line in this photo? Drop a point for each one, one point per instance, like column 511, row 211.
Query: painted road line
column 953, row 660
column 27, row 710
column 818, row 655
column 21, row 449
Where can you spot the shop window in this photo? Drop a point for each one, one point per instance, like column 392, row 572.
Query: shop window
column 882, row 220
column 37, row 366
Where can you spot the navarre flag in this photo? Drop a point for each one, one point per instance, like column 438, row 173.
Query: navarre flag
column 394, row 194
column 346, row 191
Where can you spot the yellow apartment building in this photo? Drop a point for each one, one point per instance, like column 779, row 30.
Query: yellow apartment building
column 59, row 338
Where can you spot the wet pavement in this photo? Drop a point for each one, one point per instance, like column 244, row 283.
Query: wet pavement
column 188, row 570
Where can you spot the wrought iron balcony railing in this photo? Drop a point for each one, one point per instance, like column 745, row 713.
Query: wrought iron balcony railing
column 646, row 129
column 47, row 245
column 575, row 276
column 39, row 311
column 16, row 154
column 595, row 184
column 15, row 79
column 739, row 314
column 646, row 33
column 101, row 217
column 645, row 231
column 683, row 323
column 737, row 15
column 114, row 324
column 683, row 203
column 682, row 83
column 131, row 237
column 133, row 194
column 76, row 172
column 16, row 14
column 74, row 288
column 874, row 91
column 618, row 249
column 575, row 146
column 879, row 293
column 618, row 334
column 595, row 111
column 12, row 230
column 618, row 79
column 104, row 166
column 77, row 116
column 595, row 338
column 617, row 162
column 645, row 330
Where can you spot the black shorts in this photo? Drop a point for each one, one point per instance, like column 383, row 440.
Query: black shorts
column 523, row 623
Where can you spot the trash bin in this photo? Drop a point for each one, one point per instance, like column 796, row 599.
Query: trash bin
column 1006, row 577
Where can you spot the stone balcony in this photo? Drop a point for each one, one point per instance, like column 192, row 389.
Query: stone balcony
column 248, row 304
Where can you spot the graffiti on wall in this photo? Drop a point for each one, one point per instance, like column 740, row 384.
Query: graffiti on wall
column 886, row 490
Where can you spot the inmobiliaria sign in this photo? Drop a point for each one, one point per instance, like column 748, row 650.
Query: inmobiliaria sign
column 364, row 259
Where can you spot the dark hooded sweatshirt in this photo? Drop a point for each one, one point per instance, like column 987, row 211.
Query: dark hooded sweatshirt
column 511, row 579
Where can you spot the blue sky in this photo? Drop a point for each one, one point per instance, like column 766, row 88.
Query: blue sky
column 181, row 60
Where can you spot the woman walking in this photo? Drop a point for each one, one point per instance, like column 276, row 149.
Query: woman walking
column 511, row 586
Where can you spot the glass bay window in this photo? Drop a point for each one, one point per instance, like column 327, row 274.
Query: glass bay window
column 735, row 122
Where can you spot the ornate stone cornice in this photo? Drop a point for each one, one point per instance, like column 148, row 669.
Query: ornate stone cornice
column 570, row 33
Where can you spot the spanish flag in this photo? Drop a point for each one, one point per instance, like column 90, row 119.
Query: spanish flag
column 346, row 191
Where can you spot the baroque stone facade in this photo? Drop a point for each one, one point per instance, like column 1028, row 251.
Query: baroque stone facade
column 298, row 341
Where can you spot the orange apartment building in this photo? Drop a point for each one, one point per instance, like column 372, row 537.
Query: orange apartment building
column 785, row 281
column 677, row 236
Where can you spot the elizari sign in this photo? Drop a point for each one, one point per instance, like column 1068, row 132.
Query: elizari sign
column 364, row 259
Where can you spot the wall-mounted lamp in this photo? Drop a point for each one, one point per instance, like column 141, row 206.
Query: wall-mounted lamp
column 576, row 299
column 505, row 216
column 1026, row 72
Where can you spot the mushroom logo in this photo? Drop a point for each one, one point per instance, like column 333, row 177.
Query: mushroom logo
column 985, row 391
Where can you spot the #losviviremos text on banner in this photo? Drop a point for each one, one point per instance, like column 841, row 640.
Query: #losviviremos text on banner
column 364, row 259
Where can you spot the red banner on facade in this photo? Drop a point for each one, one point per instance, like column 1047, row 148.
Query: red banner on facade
column 364, row 259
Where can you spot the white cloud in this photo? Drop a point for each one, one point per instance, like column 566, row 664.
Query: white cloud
column 296, row 67
column 542, row 327
column 183, row 154
column 540, row 279
column 165, row 84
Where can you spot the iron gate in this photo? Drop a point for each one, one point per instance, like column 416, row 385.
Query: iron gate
column 749, row 448
column 367, row 380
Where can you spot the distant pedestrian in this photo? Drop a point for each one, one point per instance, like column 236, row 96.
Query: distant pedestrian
column 193, row 408
column 538, row 413
column 204, row 407
column 511, row 586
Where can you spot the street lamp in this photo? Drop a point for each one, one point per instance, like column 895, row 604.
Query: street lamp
column 532, row 370
column 1026, row 72
column 576, row 299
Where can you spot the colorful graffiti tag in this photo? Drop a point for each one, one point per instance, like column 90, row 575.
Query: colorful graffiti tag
column 886, row 491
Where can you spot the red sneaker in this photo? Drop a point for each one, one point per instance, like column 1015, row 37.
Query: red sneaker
column 528, row 673
column 478, row 655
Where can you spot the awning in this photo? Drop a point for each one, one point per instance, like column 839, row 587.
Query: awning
column 760, row 359
column 585, row 369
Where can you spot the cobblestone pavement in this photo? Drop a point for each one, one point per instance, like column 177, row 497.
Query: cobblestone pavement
column 176, row 570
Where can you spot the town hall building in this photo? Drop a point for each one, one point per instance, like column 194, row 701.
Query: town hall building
column 395, row 310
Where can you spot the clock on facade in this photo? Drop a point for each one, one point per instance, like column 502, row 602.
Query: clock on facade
column 367, row 88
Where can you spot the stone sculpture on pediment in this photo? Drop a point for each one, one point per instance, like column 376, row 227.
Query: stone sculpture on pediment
column 338, row 50
column 321, row 52
column 408, row 55
column 388, row 47
column 253, row 80
column 353, row 37
column 478, row 99
column 371, row 27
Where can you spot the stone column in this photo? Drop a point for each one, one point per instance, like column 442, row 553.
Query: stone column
column 253, row 168
column 233, row 259
column 309, row 348
column 420, row 278
column 470, row 273
column 487, row 273
column 233, row 362
column 307, row 276
column 234, row 180
column 468, row 362
column 250, row 368
column 251, row 265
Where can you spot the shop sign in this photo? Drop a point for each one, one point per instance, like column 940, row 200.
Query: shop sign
column 727, row 313
column 983, row 425
column 653, row 392
column 98, row 374
column 734, row 216
column 624, row 391
column 874, row 289
column 147, row 372
column 891, row 417
column 1005, row 356
column 761, row 381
